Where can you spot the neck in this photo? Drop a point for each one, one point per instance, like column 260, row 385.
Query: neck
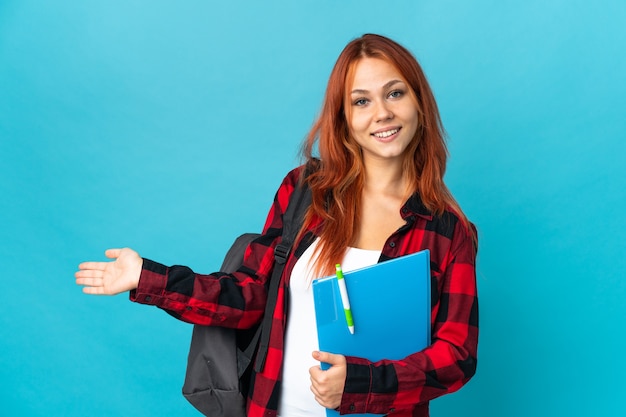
column 385, row 177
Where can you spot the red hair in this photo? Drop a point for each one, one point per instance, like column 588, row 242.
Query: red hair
column 337, row 182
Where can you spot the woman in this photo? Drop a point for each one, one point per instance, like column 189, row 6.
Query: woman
column 378, row 193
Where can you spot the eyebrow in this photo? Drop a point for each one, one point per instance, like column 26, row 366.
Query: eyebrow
column 386, row 86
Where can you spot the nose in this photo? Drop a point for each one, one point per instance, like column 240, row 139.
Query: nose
column 383, row 112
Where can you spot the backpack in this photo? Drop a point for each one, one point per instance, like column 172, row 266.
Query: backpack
column 220, row 359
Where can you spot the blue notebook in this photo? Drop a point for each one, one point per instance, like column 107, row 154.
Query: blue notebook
column 390, row 304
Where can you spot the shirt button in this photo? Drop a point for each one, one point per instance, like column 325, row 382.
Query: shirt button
column 392, row 244
column 391, row 410
column 148, row 298
column 352, row 407
column 188, row 308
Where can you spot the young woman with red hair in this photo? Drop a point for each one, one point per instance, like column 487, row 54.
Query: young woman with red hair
column 376, row 158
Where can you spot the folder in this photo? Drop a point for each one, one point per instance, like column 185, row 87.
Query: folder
column 390, row 303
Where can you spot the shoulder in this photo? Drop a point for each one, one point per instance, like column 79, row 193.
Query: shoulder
column 461, row 232
column 297, row 176
column 447, row 224
column 303, row 171
column 445, row 233
column 288, row 185
column 456, row 222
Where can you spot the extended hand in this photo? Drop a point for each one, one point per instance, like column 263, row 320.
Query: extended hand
column 110, row 278
column 327, row 386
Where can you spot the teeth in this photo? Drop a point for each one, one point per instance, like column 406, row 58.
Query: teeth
column 386, row 134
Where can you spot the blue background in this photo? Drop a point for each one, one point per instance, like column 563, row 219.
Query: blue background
column 167, row 126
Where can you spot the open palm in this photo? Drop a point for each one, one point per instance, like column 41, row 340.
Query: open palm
column 110, row 278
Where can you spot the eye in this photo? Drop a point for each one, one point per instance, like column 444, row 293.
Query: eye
column 396, row 94
column 360, row 102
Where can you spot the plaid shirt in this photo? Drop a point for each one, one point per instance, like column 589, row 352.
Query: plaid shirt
column 398, row 387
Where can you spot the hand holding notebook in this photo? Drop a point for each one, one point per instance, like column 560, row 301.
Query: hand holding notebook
column 390, row 305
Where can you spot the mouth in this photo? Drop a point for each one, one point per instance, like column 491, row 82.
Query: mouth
column 386, row 133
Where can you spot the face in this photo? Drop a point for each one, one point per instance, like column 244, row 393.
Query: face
column 382, row 113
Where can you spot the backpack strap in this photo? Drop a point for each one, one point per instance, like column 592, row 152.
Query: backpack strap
column 292, row 222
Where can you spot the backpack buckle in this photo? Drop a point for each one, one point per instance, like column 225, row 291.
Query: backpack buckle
column 281, row 252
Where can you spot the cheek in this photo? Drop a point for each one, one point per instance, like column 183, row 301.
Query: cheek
column 413, row 122
column 405, row 110
column 358, row 123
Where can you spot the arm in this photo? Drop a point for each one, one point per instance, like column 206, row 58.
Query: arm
column 230, row 300
column 446, row 365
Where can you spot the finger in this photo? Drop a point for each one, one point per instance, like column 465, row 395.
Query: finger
column 89, row 282
column 314, row 373
column 112, row 253
column 319, row 397
column 89, row 273
column 93, row 290
column 93, row 266
column 319, row 379
column 317, row 389
column 315, row 392
column 329, row 358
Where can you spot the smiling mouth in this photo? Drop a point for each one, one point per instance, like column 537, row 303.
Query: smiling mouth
column 386, row 133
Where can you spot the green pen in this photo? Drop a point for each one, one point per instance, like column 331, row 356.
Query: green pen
column 344, row 298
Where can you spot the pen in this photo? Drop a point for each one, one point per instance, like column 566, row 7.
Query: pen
column 344, row 298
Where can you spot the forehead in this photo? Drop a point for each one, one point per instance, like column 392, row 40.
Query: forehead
column 372, row 73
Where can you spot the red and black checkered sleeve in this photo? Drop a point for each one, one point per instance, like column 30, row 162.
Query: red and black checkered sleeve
column 392, row 386
column 234, row 300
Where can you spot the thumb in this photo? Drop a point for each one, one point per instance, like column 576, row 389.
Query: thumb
column 112, row 253
column 329, row 358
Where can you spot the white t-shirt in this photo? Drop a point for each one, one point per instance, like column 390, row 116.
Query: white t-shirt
column 296, row 399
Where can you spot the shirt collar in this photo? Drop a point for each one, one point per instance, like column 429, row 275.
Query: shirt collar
column 414, row 205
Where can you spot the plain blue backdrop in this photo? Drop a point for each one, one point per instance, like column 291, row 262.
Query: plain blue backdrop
column 168, row 125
